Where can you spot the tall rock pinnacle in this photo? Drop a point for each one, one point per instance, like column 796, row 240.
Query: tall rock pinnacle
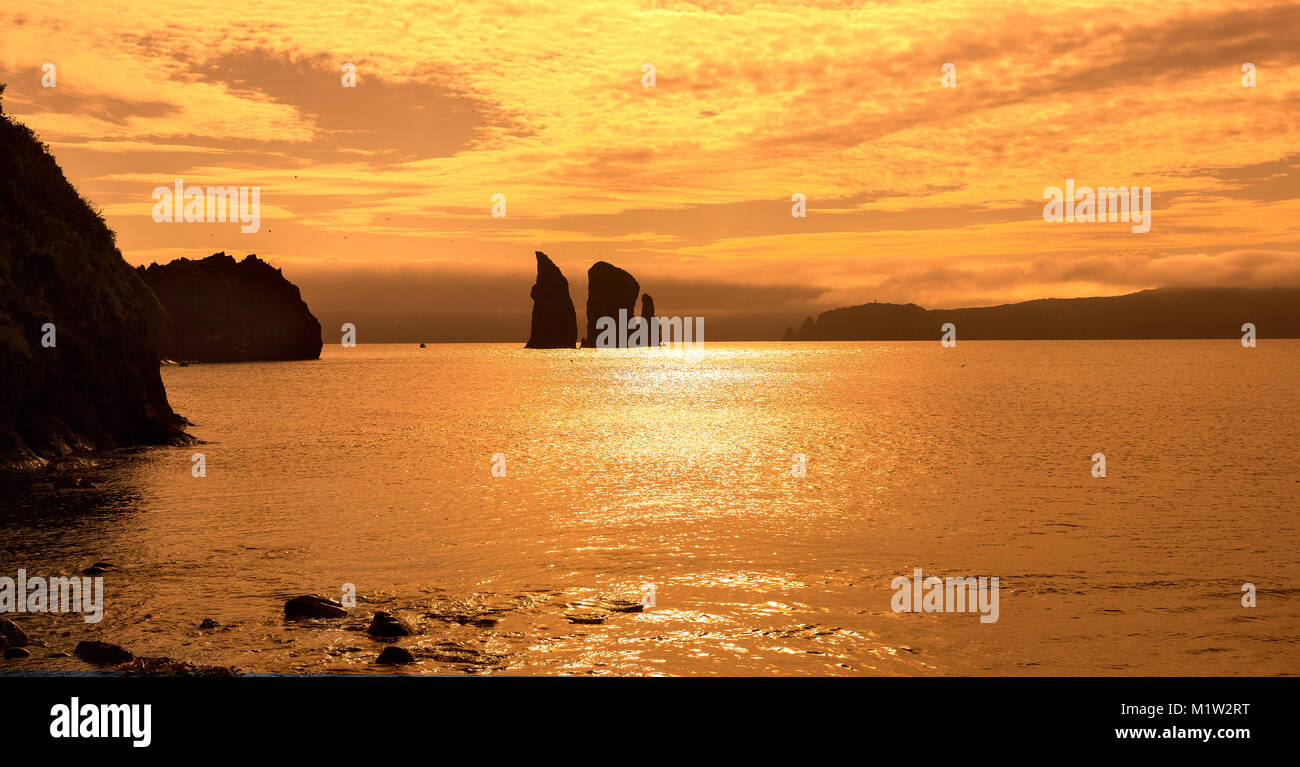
column 555, row 321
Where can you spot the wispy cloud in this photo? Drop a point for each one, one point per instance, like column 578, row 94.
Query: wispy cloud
column 915, row 191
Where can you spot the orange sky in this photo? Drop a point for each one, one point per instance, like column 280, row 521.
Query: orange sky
column 377, row 199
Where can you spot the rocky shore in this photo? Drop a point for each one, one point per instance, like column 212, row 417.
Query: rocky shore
column 471, row 634
column 16, row 646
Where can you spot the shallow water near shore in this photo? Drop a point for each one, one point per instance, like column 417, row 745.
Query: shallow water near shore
column 373, row 467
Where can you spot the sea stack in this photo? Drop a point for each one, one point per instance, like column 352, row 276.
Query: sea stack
column 78, row 363
column 609, row 289
column 555, row 321
column 648, row 317
column 222, row 310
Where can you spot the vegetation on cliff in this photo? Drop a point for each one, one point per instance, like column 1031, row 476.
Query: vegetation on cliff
column 78, row 360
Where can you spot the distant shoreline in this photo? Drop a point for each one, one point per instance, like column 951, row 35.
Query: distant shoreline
column 1161, row 314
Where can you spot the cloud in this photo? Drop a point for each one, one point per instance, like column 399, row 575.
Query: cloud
column 915, row 192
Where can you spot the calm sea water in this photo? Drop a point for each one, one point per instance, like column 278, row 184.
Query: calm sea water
column 372, row 466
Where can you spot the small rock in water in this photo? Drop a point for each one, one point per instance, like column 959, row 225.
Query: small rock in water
column 102, row 653
column 11, row 635
column 459, row 654
column 475, row 620
column 624, row 606
column 208, row 623
column 313, row 607
column 395, row 656
column 389, row 625
column 13, row 653
column 586, row 618
column 170, row 667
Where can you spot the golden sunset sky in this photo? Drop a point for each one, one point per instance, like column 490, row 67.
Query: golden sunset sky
column 377, row 199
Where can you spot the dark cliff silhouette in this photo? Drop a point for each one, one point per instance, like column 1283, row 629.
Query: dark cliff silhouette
column 1162, row 313
column 648, row 314
column 608, row 290
column 555, row 321
column 98, row 385
column 224, row 310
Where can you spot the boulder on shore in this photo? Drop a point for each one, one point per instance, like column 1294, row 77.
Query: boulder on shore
column 11, row 635
column 102, row 653
column 395, row 656
column 555, row 321
column 389, row 625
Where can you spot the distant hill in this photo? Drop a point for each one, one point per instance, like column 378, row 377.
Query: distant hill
column 1161, row 313
column 223, row 310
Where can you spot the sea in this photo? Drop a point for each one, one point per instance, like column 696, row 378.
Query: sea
column 730, row 509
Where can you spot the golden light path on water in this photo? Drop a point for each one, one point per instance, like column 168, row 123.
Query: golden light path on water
column 373, row 466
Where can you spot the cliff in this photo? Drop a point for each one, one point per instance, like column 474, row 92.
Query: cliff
column 1162, row 313
column 608, row 290
column 555, row 321
column 222, row 310
column 78, row 366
